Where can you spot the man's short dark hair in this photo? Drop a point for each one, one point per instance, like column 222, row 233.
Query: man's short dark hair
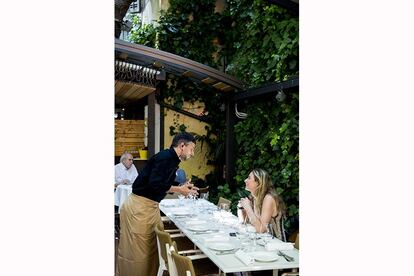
column 182, row 137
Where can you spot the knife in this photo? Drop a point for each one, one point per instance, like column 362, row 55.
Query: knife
column 287, row 257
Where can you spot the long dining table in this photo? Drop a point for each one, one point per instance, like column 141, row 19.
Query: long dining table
column 226, row 241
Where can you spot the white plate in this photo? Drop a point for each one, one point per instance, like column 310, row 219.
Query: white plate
column 263, row 256
column 181, row 213
column 198, row 227
column 221, row 246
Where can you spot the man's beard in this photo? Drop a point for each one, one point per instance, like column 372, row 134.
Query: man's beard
column 184, row 157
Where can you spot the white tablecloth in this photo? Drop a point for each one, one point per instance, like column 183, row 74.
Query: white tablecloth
column 121, row 193
column 187, row 214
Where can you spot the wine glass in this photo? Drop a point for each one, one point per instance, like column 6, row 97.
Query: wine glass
column 252, row 236
column 268, row 234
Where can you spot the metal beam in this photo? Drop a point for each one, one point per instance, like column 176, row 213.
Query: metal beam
column 189, row 114
column 230, row 152
column 266, row 89
column 291, row 6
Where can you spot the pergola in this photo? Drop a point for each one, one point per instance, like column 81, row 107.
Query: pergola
column 139, row 70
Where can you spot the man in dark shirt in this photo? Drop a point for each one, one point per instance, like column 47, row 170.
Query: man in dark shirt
column 137, row 251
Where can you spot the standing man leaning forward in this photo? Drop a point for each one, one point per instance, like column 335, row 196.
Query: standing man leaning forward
column 140, row 213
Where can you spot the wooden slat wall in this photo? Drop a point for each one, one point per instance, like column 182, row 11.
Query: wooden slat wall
column 129, row 136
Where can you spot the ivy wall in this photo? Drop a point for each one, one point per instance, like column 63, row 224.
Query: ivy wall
column 258, row 43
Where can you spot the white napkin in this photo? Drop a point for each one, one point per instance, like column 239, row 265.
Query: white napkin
column 215, row 238
column 167, row 203
column 244, row 257
column 276, row 244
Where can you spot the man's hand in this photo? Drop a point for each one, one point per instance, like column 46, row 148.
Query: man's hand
column 188, row 189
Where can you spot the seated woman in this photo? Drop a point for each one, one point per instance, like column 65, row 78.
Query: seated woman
column 264, row 206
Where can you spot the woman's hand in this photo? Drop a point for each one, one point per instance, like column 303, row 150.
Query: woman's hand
column 245, row 203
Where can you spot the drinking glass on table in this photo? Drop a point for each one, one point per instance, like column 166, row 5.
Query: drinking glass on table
column 252, row 236
column 268, row 234
column 204, row 196
column 181, row 199
column 224, row 207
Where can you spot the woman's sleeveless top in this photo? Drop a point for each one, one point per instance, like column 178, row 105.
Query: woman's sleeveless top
column 278, row 227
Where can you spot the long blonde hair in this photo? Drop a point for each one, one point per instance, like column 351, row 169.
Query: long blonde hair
column 264, row 187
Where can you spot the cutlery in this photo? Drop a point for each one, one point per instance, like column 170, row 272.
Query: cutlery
column 287, row 257
column 228, row 252
column 204, row 232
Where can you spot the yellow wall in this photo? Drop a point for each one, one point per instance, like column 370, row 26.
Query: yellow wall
column 198, row 164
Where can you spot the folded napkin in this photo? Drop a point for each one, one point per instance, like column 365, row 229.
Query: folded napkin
column 244, row 257
column 276, row 244
column 215, row 238
column 168, row 203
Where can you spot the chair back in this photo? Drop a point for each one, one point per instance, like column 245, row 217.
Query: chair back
column 183, row 264
column 203, row 190
column 160, row 226
column 163, row 238
column 222, row 201
column 172, row 268
column 297, row 241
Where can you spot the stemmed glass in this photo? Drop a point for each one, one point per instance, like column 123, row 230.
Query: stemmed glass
column 253, row 236
column 268, row 235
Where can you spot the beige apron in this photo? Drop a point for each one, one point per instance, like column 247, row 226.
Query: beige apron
column 137, row 251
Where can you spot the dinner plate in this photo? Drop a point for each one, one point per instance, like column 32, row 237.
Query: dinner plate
column 221, row 246
column 181, row 212
column 263, row 256
column 198, row 227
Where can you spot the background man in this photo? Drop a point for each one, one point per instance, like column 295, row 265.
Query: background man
column 125, row 171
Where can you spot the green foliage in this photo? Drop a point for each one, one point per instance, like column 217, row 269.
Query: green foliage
column 269, row 139
column 234, row 196
column 265, row 42
column 258, row 43
column 144, row 34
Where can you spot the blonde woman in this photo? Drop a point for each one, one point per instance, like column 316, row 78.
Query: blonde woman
column 264, row 205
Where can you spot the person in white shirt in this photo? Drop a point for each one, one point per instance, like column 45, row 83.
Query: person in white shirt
column 125, row 171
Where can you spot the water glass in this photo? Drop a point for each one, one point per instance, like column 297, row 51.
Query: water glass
column 268, row 234
column 181, row 199
column 204, row 196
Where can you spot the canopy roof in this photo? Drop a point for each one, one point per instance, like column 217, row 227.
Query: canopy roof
column 159, row 62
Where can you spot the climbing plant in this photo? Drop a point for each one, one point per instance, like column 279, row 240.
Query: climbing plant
column 258, row 43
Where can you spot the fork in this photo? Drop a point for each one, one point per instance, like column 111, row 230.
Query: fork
column 287, row 257
column 228, row 252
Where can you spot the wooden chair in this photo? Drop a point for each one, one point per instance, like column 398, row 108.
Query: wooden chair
column 165, row 238
column 203, row 190
column 297, row 241
column 223, row 201
column 183, row 265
